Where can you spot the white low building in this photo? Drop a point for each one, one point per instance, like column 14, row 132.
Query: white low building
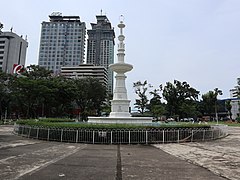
column 235, row 102
column 85, row 71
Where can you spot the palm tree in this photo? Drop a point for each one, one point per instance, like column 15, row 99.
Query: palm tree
column 216, row 93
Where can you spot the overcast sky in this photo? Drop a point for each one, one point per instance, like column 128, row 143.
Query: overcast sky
column 197, row 41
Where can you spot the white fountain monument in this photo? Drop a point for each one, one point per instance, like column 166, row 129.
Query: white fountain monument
column 120, row 103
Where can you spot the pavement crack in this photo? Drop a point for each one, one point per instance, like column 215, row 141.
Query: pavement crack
column 119, row 164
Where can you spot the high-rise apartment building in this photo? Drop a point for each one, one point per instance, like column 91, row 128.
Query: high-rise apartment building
column 13, row 49
column 100, row 46
column 62, row 42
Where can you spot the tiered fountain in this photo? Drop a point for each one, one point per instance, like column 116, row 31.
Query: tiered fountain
column 120, row 103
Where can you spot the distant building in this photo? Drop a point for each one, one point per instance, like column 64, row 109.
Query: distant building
column 85, row 71
column 100, row 46
column 235, row 102
column 62, row 42
column 13, row 49
column 235, row 107
column 233, row 93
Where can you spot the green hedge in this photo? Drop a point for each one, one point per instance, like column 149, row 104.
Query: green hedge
column 67, row 125
column 54, row 120
column 238, row 119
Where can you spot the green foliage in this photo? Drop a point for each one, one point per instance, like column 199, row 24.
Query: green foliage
column 229, row 107
column 210, row 102
column 54, row 120
column 5, row 80
column 37, row 72
column 89, row 96
column 180, row 99
column 238, row 119
column 37, row 93
column 142, row 101
column 35, row 123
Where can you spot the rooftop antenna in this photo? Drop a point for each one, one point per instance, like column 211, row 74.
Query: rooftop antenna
column 101, row 12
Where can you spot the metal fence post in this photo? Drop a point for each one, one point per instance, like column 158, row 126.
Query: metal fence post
column 212, row 133
column 163, row 137
column 146, row 137
column 93, row 136
column 48, row 135
column 204, row 134
column 76, row 136
column 178, row 136
column 61, row 135
column 22, row 129
column 111, row 137
column 129, row 137
column 192, row 136
column 37, row 132
column 29, row 132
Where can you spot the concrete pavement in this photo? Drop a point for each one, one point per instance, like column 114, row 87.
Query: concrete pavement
column 221, row 157
column 22, row 158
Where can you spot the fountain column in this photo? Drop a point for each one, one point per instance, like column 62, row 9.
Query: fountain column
column 120, row 103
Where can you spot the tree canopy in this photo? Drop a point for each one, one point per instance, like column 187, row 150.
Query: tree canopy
column 181, row 98
column 38, row 93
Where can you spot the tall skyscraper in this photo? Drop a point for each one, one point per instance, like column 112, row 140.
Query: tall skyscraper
column 13, row 49
column 100, row 46
column 62, row 42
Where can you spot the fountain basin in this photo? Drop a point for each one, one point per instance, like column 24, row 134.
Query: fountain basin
column 120, row 120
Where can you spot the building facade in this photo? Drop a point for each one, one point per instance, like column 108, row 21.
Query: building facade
column 62, row 42
column 13, row 50
column 235, row 102
column 86, row 71
column 100, row 46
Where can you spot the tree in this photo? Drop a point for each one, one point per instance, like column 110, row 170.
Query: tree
column 37, row 72
column 90, row 96
column 210, row 103
column 229, row 108
column 4, row 93
column 142, row 101
column 32, row 91
column 155, row 106
column 178, row 95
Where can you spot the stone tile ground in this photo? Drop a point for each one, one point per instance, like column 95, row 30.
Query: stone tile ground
column 222, row 156
column 22, row 158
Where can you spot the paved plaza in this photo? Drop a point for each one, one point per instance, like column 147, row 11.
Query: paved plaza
column 221, row 157
column 22, row 158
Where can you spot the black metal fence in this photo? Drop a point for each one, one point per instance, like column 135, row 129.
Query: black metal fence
column 121, row 136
